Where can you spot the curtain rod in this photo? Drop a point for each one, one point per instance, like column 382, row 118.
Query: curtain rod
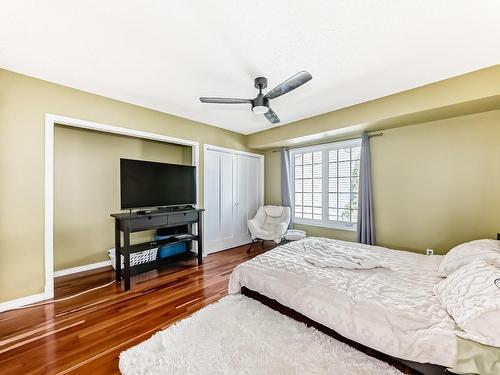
column 340, row 140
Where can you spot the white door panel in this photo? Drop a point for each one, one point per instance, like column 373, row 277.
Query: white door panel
column 233, row 193
column 228, row 197
column 241, row 202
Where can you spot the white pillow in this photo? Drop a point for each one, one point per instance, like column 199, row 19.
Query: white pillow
column 468, row 252
column 472, row 298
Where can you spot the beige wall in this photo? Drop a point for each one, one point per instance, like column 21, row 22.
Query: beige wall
column 435, row 184
column 87, row 189
column 23, row 104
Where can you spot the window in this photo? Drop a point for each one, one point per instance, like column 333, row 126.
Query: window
column 325, row 184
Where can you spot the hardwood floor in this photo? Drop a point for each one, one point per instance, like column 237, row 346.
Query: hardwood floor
column 85, row 334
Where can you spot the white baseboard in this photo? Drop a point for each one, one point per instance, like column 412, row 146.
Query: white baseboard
column 12, row 304
column 87, row 267
column 15, row 303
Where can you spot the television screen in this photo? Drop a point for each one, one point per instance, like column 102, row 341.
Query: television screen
column 151, row 184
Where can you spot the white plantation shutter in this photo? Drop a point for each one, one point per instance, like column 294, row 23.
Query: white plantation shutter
column 308, row 168
column 325, row 184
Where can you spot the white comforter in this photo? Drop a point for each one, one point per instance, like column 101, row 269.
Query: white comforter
column 339, row 255
column 392, row 309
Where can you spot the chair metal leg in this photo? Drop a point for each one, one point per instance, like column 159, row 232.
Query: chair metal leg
column 255, row 240
column 251, row 245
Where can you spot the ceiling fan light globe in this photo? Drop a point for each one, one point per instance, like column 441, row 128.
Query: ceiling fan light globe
column 260, row 109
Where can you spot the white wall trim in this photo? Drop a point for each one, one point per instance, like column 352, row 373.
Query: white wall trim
column 87, row 267
column 15, row 303
column 195, row 160
column 50, row 122
column 49, row 207
column 232, row 151
column 69, row 121
column 335, row 145
column 326, row 224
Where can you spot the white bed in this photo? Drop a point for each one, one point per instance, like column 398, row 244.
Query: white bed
column 392, row 310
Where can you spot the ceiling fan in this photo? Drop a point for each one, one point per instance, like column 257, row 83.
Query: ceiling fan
column 260, row 104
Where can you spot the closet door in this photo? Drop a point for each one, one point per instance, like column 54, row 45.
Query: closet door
column 233, row 193
column 242, row 188
column 248, row 183
column 220, row 199
column 228, row 197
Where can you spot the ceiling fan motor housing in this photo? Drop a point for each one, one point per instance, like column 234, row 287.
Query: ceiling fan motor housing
column 260, row 104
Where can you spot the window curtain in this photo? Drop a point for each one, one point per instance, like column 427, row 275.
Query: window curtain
column 366, row 223
column 286, row 189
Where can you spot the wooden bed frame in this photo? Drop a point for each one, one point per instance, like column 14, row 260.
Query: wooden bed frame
column 406, row 367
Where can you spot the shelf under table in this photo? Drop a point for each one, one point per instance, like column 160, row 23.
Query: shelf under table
column 144, row 267
column 152, row 244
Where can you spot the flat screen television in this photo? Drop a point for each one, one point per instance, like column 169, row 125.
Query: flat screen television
column 151, row 184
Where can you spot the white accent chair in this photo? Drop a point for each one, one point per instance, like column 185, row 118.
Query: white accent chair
column 269, row 224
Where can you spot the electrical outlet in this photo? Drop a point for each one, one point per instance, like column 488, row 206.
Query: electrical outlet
column 430, row 252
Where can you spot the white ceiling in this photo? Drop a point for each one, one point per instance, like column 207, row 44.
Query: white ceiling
column 165, row 54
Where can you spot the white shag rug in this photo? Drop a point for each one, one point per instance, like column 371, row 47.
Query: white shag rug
column 239, row 335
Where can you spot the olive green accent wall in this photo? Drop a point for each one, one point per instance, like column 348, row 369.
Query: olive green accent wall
column 87, row 189
column 24, row 101
column 272, row 177
column 436, row 184
column 470, row 93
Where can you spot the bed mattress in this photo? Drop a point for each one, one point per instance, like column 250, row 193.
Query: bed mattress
column 392, row 310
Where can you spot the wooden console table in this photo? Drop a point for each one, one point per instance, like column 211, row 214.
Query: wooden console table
column 134, row 222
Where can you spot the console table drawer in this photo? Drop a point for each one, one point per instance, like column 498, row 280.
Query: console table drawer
column 185, row 217
column 148, row 222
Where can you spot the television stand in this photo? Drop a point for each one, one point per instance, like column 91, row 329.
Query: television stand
column 134, row 222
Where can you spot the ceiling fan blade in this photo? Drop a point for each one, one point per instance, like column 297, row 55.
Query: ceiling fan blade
column 290, row 84
column 208, row 99
column 272, row 117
